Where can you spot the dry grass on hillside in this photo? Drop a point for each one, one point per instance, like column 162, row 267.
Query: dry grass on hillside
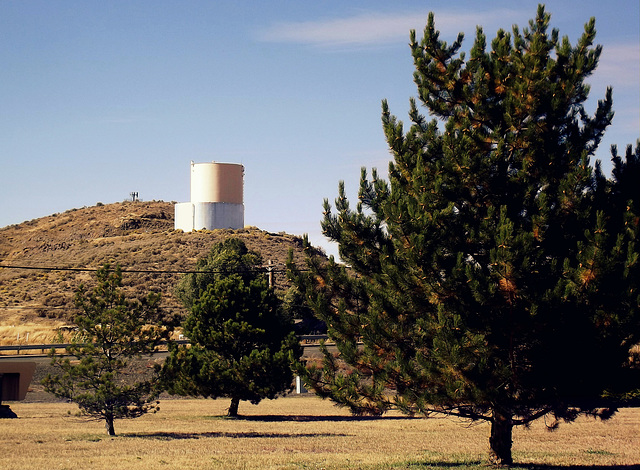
column 297, row 432
column 136, row 235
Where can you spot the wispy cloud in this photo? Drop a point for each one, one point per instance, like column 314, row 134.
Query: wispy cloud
column 375, row 29
column 619, row 65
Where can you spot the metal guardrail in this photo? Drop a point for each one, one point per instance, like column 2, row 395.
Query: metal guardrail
column 30, row 347
column 44, row 348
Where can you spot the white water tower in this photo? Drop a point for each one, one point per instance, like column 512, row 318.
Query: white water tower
column 216, row 198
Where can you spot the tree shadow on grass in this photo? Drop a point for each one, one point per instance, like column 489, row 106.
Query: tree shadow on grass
column 584, row 467
column 313, row 419
column 516, row 466
column 170, row 436
column 266, row 418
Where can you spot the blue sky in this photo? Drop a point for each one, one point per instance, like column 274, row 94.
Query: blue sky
column 101, row 98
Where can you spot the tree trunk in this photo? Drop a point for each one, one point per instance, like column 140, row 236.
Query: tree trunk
column 108, row 423
column 500, row 440
column 233, row 409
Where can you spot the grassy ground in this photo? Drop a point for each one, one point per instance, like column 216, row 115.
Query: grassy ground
column 295, row 433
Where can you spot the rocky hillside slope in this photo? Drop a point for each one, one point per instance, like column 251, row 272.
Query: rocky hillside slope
column 137, row 235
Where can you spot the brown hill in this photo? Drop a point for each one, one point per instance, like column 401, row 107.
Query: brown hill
column 36, row 303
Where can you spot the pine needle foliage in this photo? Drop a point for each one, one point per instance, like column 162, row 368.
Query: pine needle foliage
column 478, row 274
column 111, row 330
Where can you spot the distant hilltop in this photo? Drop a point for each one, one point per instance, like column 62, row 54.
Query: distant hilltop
column 137, row 235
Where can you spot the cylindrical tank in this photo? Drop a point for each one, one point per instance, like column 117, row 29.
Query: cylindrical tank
column 217, row 182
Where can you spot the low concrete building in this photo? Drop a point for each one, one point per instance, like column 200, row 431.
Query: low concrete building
column 15, row 377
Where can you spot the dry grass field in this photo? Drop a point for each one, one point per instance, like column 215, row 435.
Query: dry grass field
column 297, row 432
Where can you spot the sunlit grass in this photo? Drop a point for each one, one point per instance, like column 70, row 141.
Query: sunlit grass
column 14, row 331
column 294, row 433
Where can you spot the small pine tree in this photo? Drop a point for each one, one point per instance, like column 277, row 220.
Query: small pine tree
column 112, row 330
column 242, row 345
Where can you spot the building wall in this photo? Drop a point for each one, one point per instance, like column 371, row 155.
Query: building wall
column 211, row 215
column 183, row 216
column 217, row 182
column 208, row 215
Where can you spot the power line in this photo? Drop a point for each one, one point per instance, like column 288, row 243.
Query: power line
column 266, row 268
column 63, row 307
column 33, row 307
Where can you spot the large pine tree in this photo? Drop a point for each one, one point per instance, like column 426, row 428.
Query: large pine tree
column 475, row 272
